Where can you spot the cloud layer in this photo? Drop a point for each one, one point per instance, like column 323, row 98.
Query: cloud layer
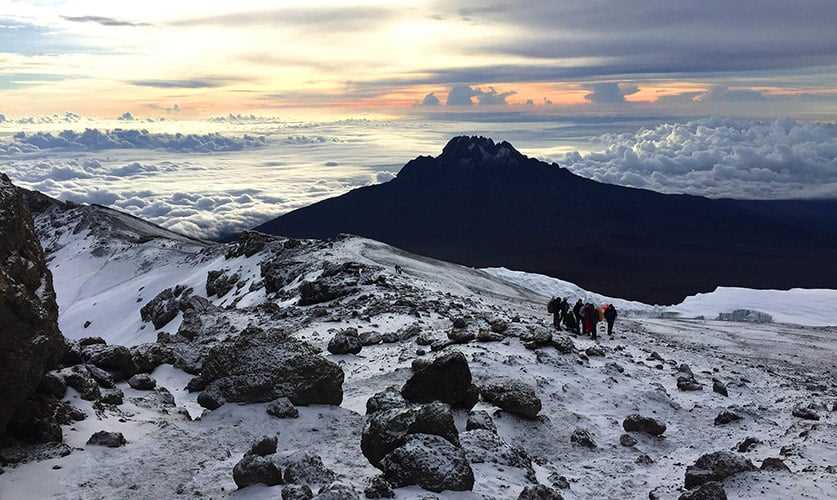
column 95, row 139
column 719, row 158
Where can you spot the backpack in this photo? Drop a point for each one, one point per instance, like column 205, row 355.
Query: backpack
column 550, row 306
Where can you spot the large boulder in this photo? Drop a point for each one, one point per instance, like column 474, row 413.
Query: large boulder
column 255, row 469
column 108, row 439
column 345, row 342
column 446, row 379
column 539, row 492
column 387, row 429
column 319, row 291
column 513, row 396
column 430, row 462
column 639, row 423
column 302, row 467
column 30, row 343
column 716, row 466
column 116, row 359
column 387, row 399
column 260, row 366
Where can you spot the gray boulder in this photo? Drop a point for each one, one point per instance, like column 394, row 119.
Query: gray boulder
column 446, row 379
column 639, row 423
column 387, row 429
column 513, row 396
column 108, row 439
column 582, row 437
column 387, row 399
column 142, row 382
column 260, row 366
column 480, row 419
column 297, row 492
column 161, row 309
column 430, row 462
column 716, row 466
column 345, row 342
column 539, row 492
column 303, row 467
column 707, row 491
column 282, row 408
column 255, row 469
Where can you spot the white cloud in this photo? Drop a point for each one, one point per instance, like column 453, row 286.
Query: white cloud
column 93, row 139
column 720, row 158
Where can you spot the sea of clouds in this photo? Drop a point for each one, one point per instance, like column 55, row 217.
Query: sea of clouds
column 214, row 178
column 719, row 158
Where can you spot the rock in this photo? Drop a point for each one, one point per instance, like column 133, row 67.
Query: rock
column 805, row 412
column 86, row 341
column 747, row 444
column 378, row 487
column 112, row 396
column 430, row 462
column 457, row 336
column 282, row 408
column 337, row 491
column 30, row 342
column 498, row 325
column 483, row 446
column 142, row 382
column 161, row 309
column 116, row 359
column 639, row 423
column 147, row 357
column 685, row 383
column 297, row 492
column 260, row 366
column 219, row 283
column 255, row 469
column 644, row 460
column 774, row 464
column 489, row 336
column 101, row 377
column 370, row 338
column 109, row 439
column 387, row 429
column 726, row 417
column 513, row 396
column 583, row 438
column 387, row 399
column 263, row 446
column 317, row 292
column 480, row 420
column 249, row 244
column 719, row 387
column 716, row 466
column 53, row 384
column 627, row 440
column 563, row 344
column 459, row 323
column 345, row 342
column 594, row 351
column 539, row 492
column 78, row 377
column 536, row 337
column 303, row 467
column 447, row 379
column 712, row 490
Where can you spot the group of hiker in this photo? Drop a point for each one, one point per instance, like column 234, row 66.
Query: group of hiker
column 582, row 318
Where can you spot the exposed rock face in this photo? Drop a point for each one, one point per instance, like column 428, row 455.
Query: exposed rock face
column 219, row 283
column 161, row 309
column 716, row 466
column 30, row 343
column 317, row 292
column 430, row 462
column 259, row 366
column 386, row 430
column 513, row 396
column 446, row 379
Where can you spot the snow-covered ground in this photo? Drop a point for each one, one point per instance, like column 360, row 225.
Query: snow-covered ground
column 768, row 369
column 798, row 306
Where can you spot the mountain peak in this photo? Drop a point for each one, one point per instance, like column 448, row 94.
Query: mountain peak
column 478, row 148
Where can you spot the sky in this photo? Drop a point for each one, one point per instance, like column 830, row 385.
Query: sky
column 333, row 59
column 212, row 117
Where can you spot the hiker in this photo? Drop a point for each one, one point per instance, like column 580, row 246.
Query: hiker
column 589, row 319
column 610, row 317
column 570, row 323
column 577, row 312
column 398, row 269
column 554, row 308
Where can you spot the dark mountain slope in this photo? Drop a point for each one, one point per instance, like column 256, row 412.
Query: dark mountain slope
column 485, row 204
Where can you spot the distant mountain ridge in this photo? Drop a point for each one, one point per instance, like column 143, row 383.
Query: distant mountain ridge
column 485, row 204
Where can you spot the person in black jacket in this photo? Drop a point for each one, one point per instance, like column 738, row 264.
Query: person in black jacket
column 577, row 311
column 610, row 317
column 554, row 307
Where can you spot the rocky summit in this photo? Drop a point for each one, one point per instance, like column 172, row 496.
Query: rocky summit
column 274, row 367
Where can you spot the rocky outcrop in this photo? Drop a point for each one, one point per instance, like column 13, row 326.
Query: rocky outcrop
column 446, row 379
column 345, row 342
column 639, row 423
column 260, row 366
column 30, row 342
